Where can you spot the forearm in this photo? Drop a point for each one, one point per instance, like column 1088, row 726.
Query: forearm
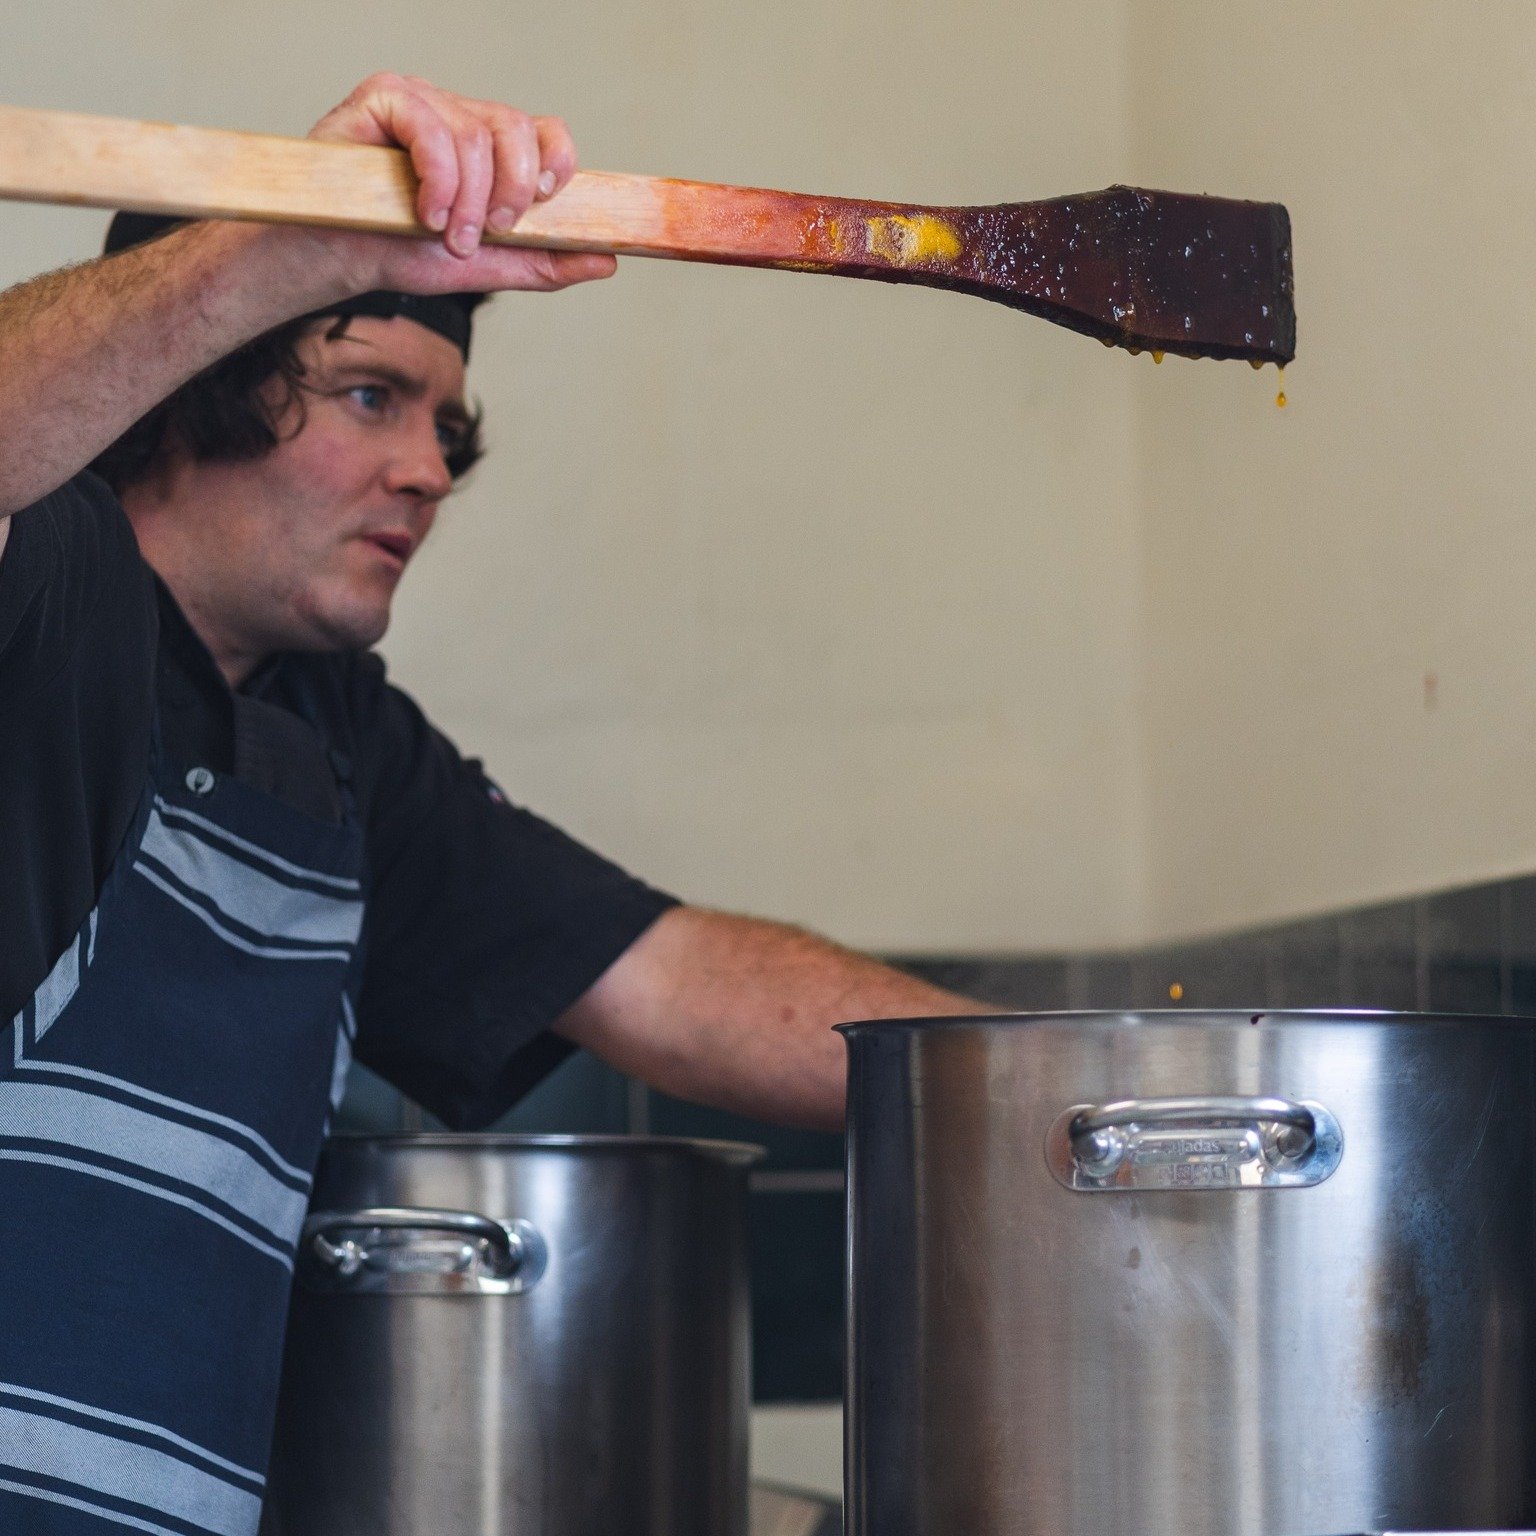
column 85, row 352
column 739, row 1013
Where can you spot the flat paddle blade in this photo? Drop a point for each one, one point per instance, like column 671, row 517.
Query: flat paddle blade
column 1151, row 271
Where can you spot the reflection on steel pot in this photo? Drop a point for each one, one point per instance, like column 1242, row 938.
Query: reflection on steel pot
column 517, row 1334
column 1214, row 1273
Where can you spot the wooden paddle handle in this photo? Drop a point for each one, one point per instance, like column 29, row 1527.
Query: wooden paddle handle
column 104, row 162
column 1203, row 276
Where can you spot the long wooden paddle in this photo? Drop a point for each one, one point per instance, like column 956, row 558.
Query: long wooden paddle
column 1155, row 271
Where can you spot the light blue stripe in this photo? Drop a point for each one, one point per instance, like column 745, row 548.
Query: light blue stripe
column 207, row 1116
column 343, row 1062
column 170, row 1196
column 123, row 1421
column 179, row 813
column 245, row 895
column 86, row 1122
column 262, row 951
column 58, row 989
column 102, row 1464
column 48, row 1495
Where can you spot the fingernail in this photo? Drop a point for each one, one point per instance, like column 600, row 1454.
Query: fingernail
column 546, row 183
column 466, row 235
column 437, row 219
column 502, row 218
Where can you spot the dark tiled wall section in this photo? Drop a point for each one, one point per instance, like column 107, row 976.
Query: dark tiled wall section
column 1464, row 951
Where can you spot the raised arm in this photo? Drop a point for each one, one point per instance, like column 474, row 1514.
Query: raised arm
column 85, row 352
column 739, row 1013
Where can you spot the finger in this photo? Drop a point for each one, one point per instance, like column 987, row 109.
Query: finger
column 557, row 154
column 429, row 142
column 476, row 154
column 517, row 167
column 388, row 109
column 474, row 151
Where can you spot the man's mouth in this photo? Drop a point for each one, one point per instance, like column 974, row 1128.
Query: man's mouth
column 396, row 545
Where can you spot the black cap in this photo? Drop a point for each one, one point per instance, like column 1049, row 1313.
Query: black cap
column 448, row 314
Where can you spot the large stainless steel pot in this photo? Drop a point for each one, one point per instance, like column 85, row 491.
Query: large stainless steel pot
column 509, row 1335
column 1213, row 1273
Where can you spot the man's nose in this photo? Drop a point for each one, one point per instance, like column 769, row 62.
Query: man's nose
column 418, row 466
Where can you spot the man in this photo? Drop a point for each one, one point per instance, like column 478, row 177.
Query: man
column 231, row 853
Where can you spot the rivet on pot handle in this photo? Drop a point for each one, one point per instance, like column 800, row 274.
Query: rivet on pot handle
column 400, row 1249
column 1210, row 1141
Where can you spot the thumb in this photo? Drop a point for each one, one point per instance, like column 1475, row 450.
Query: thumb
column 506, row 268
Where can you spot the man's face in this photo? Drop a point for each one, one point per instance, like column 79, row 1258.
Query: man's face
column 302, row 549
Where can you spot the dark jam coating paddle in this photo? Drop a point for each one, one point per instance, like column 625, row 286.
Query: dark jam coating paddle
column 1151, row 271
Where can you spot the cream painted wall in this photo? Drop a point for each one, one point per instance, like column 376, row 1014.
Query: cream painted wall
column 925, row 623
column 812, row 598
column 1341, row 644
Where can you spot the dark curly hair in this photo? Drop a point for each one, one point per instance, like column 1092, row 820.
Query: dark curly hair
column 220, row 414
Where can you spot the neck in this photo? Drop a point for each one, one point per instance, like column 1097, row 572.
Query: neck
column 150, row 504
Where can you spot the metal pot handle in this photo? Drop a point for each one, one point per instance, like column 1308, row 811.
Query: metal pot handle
column 508, row 1256
column 1211, row 1141
column 1203, row 1109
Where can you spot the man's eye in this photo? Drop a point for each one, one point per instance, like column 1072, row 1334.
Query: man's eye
column 371, row 397
column 450, row 438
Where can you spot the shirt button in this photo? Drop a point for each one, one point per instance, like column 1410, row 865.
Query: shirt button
column 199, row 780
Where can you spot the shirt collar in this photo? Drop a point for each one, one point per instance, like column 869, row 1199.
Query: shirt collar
column 194, row 657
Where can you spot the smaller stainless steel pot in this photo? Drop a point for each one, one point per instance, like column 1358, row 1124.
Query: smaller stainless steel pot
column 509, row 1334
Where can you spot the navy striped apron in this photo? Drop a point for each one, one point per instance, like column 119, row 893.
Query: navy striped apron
column 162, row 1103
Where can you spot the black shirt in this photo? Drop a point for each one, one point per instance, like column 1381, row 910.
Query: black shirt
column 484, row 923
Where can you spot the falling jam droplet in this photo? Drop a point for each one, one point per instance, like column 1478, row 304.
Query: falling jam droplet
column 1280, row 397
column 1255, row 363
column 1176, row 991
column 1157, row 357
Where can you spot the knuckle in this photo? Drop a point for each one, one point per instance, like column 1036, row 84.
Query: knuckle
column 477, row 149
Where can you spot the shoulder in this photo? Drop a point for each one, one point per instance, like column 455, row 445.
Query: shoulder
column 82, row 519
column 71, row 561
column 83, row 511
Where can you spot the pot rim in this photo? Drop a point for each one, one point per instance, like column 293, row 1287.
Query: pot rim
column 1246, row 1017
column 740, row 1153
